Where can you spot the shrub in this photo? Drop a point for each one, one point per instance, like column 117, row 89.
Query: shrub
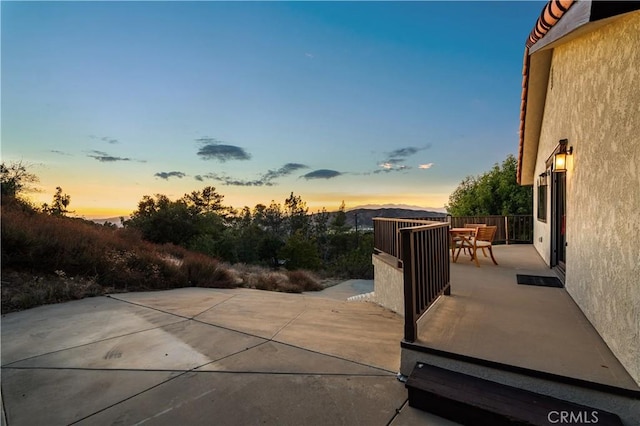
column 304, row 280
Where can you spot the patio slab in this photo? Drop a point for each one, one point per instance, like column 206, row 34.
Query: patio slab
column 180, row 346
column 242, row 357
column 256, row 312
column 265, row 399
column 273, row 357
column 490, row 316
column 337, row 329
column 61, row 326
column 186, row 302
column 60, row 397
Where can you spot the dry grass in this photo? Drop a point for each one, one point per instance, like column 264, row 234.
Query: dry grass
column 49, row 259
column 252, row 276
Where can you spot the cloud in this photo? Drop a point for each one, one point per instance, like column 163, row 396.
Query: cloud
column 223, row 153
column 425, row 166
column 103, row 157
column 394, row 160
column 388, row 168
column 309, row 55
column 322, row 174
column 265, row 179
column 230, row 181
column 285, row 170
column 106, row 139
column 403, row 152
column 55, row 151
column 213, row 149
column 167, row 175
column 106, row 158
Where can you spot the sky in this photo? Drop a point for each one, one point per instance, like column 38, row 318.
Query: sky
column 366, row 102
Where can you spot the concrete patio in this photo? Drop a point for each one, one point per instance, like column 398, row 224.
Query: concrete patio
column 206, row 356
column 490, row 317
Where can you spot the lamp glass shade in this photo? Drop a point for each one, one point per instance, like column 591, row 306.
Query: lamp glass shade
column 560, row 162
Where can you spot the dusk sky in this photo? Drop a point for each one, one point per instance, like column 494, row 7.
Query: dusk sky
column 366, row 102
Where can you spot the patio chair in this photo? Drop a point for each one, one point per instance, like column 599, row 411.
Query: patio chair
column 483, row 239
column 476, row 226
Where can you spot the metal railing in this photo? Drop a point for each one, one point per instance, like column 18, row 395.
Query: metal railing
column 426, row 270
column 512, row 229
column 421, row 247
column 386, row 235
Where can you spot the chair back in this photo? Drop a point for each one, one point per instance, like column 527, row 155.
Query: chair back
column 475, row 225
column 486, row 233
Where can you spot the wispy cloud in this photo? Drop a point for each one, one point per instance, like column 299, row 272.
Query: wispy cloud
column 394, row 160
column 285, row 170
column 322, row 174
column 55, row 151
column 230, row 181
column 388, row 168
column 106, row 158
column 265, row 179
column 309, row 55
column 106, row 139
column 213, row 149
column 103, row 157
column 425, row 166
column 167, row 175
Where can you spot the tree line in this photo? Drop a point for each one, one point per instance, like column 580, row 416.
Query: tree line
column 277, row 235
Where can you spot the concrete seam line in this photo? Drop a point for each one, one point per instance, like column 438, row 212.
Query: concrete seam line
column 229, row 355
column 334, row 356
column 285, row 373
column 130, row 397
column 398, row 410
column 211, row 307
column 149, row 307
column 4, row 407
column 288, row 322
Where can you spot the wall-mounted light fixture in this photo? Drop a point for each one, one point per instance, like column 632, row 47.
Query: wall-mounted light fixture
column 558, row 159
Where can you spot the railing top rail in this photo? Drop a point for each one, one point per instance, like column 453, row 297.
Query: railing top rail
column 424, row 227
column 406, row 219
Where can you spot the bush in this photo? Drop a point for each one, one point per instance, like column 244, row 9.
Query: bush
column 304, row 280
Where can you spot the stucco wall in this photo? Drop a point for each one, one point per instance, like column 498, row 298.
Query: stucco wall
column 593, row 100
column 388, row 285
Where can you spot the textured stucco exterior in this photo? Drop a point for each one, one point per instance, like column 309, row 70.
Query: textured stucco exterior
column 593, row 100
column 388, row 285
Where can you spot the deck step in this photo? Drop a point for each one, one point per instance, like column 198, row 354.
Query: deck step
column 471, row 400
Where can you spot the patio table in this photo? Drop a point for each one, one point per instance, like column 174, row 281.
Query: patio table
column 460, row 234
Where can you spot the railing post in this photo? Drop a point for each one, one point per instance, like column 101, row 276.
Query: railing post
column 406, row 238
column 506, row 230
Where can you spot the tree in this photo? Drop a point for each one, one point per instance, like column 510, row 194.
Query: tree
column 164, row 221
column 300, row 253
column 59, row 205
column 205, row 201
column 495, row 192
column 15, row 179
column 297, row 217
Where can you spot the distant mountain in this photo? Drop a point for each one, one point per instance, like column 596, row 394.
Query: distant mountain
column 114, row 220
column 400, row 206
column 365, row 216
